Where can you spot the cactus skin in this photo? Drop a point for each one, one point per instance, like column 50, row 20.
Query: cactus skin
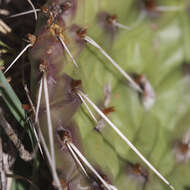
column 153, row 48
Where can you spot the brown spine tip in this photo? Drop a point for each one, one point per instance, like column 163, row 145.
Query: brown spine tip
column 111, row 19
column 107, row 21
column 148, row 95
column 137, row 171
column 31, row 38
column 64, row 136
column 45, row 9
column 81, row 32
column 183, row 147
column 78, row 34
column 108, row 110
column 150, row 5
column 75, row 84
column 43, row 66
column 138, row 79
column 182, row 151
column 140, row 171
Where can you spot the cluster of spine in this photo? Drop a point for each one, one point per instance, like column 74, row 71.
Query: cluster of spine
column 87, row 149
column 59, row 39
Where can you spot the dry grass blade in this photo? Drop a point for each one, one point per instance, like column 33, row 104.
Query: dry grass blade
column 24, row 154
column 4, row 12
column 4, row 28
column 24, row 179
column 52, row 166
column 53, row 169
column 3, row 180
column 33, row 108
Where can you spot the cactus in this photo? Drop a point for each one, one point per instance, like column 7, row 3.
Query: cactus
column 131, row 60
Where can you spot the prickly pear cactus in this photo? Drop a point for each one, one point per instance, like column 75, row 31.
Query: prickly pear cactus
column 152, row 50
column 77, row 42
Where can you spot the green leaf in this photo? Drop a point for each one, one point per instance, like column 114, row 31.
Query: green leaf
column 11, row 100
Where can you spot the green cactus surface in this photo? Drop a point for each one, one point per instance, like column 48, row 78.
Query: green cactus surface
column 150, row 41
